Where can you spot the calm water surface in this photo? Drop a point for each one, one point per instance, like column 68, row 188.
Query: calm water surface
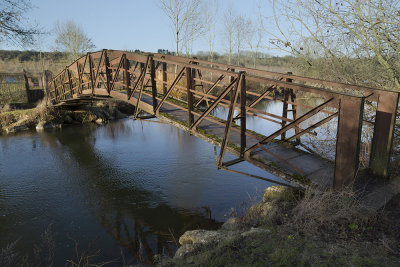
column 127, row 188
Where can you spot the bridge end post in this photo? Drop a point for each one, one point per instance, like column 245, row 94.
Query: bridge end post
column 348, row 141
column 286, row 93
column 153, row 84
column 243, row 115
column 164, row 77
column 383, row 134
column 71, row 88
column 108, row 72
column 189, row 88
column 91, row 70
column 127, row 77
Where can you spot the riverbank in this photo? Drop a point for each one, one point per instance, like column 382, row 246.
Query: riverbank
column 294, row 228
column 45, row 116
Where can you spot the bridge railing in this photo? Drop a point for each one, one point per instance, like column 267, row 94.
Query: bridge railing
column 199, row 86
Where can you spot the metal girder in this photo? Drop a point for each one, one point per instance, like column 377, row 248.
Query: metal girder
column 121, row 62
column 312, row 127
column 141, row 87
column 213, row 105
column 291, row 125
column 234, row 96
column 140, row 78
column 175, row 82
column 220, row 78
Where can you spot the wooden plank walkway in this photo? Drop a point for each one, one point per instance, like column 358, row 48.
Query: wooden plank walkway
column 289, row 163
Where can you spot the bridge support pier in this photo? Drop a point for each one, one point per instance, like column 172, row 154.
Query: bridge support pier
column 383, row 134
column 348, row 141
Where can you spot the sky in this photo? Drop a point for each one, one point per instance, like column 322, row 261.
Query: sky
column 125, row 24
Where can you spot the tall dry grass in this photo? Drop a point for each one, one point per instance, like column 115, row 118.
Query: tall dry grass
column 330, row 210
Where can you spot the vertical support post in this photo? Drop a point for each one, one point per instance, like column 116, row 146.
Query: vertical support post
column 63, row 84
column 153, row 83
column 27, row 87
column 194, row 74
column 285, row 105
column 243, row 115
column 189, row 87
column 348, row 140
column 70, row 83
column 55, row 91
column 383, row 133
column 295, row 113
column 231, row 78
column 127, row 77
column 91, row 66
column 108, row 71
column 46, row 83
column 164, row 77
column 78, row 68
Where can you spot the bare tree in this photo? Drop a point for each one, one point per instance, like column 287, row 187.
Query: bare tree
column 72, row 39
column 210, row 21
column 182, row 15
column 254, row 40
column 241, row 28
column 368, row 30
column 192, row 31
column 13, row 26
column 229, row 26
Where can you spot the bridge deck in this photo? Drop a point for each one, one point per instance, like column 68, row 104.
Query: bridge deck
column 280, row 160
column 284, row 161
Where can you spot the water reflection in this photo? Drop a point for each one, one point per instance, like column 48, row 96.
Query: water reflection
column 129, row 184
column 139, row 220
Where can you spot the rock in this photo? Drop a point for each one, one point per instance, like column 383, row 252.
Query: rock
column 184, row 250
column 198, row 237
column 42, row 125
column 275, row 193
column 255, row 231
column 268, row 209
column 16, row 128
column 230, row 225
column 99, row 121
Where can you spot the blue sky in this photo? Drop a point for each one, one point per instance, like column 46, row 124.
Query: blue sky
column 126, row 24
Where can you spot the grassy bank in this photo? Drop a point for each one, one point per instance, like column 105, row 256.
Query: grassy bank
column 293, row 228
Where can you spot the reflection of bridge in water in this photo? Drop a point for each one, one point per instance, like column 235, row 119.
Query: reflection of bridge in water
column 148, row 227
column 187, row 96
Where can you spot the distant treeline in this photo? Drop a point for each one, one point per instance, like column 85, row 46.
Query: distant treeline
column 30, row 55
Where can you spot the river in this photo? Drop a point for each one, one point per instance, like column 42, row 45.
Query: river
column 128, row 188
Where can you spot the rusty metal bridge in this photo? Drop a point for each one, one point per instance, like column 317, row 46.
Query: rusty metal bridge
column 185, row 91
